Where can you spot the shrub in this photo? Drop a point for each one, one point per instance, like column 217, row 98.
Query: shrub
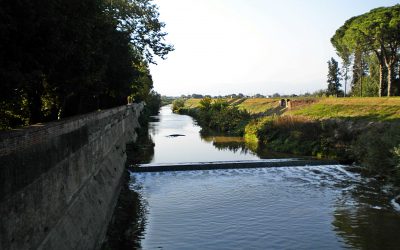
column 287, row 134
column 177, row 105
column 219, row 116
column 377, row 150
column 205, row 103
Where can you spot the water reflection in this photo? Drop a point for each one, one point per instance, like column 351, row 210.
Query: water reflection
column 128, row 225
column 130, row 216
column 303, row 208
column 198, row 145
column 231, row 143
column 321, row 207
column 142, row 151
column 191, row 146
column 364, row 217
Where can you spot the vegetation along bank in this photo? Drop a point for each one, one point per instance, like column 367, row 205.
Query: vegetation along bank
column 360, row 130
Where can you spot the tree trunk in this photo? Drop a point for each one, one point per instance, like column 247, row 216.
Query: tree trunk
column 380, row 56
column 34, row 92
column 346, row 72
column 361, row 75
column 380, row 80
column 389, row 80
column 34, row 106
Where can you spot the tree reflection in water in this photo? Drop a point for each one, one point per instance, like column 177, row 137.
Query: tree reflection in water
column 231, row 143
column 365, row 219
column 240, row 145
column 129, row 219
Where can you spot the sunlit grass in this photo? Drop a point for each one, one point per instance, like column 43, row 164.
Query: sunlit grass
column 377, row 109
column 259, row 105
column 370, row 108
column 192, row 103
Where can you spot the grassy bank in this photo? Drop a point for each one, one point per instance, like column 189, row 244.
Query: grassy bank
column 371, row 109
column 361, row 130
column 366, row 108
column 217, row 115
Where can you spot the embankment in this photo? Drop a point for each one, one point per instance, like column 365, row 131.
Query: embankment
column 59, row 182
column 361, row 130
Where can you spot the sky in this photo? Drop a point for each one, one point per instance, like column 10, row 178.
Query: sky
column 251, row 46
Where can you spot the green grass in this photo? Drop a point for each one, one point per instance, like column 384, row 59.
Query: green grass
column 374, row 109
column 368, row 108
column 192, row 103
column 259, row 105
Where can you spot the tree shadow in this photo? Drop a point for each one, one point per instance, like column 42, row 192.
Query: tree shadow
column 129, row 219
column 364, row 219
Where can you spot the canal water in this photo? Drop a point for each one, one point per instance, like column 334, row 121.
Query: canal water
column 177, row 139
column 321, row 207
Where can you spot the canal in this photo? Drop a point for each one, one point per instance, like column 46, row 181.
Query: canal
column 318, row 207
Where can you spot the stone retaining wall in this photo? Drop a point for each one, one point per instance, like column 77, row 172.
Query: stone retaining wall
column 59, row 181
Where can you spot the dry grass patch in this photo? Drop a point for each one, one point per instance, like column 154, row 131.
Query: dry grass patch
column 259, row 105
column 192, row 103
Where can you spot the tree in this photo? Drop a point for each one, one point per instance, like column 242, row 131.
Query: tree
column 140, row 19
column 380, row 29
column 343, row 51
column 359, row 72
column 333, row 78
column 65, row 57
column 378, row 32
column 345, row 73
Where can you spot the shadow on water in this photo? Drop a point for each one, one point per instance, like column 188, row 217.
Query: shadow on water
column 129, row 220
column 359, row 215
column 128, row 223
column 238, row 144
column 142, row 151
column 364, row 217
column 231, row 143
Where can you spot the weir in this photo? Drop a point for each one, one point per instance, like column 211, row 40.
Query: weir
column 229, row 165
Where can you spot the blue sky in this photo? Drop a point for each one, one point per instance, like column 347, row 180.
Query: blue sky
column 250, row 46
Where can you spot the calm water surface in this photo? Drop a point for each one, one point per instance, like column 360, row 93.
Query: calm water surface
column 322, row 207
column 190, row 146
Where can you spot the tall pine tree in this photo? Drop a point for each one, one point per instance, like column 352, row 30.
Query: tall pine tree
column 333, row 78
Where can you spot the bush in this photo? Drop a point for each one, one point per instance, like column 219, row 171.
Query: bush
column 219, row 116
column 377, row 149
column 290, row 134
column 177, row 105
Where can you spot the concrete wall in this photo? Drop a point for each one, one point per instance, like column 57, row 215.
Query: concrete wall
column 59, row 182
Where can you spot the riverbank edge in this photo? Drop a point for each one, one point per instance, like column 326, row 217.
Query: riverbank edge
column 128, row 219
column 374, row 146
column 124, row 229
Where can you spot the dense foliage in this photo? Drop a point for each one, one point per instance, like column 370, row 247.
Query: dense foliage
column 153, row 103
column 374, row 34
column 166, row 100
column 374, row 146
column 177, row 105
column 60, row 58
column 216, row 115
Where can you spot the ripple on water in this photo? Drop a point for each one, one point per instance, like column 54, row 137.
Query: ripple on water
column 396, row 203
column 272, row 208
